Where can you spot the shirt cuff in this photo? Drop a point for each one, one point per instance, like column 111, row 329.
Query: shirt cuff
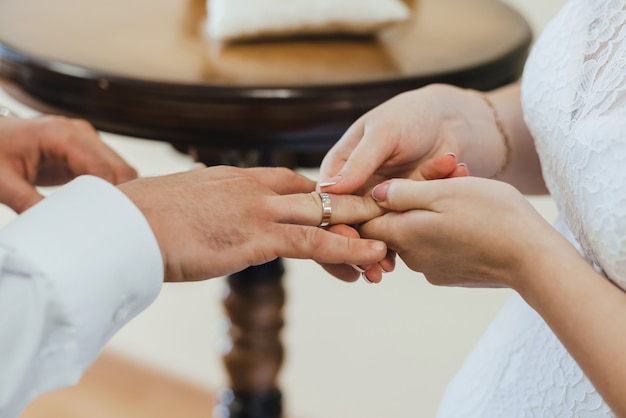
column 99, row 254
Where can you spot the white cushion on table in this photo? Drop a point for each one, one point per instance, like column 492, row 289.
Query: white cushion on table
column 244, row 19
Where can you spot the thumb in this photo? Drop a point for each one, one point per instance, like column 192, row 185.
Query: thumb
column 401, row 195
column 17, row 193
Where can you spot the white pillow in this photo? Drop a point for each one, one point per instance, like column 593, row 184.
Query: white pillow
column 244, row 19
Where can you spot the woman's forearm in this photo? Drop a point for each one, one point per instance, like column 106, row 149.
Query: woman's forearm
column 587, row 312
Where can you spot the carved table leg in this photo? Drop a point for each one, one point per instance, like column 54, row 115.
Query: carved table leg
column 254, row 304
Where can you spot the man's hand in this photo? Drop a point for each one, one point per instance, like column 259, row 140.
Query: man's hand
column 220, row 220
column 51, row 150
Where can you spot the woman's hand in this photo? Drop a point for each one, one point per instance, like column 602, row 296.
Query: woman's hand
column 462, row 232
column 396, row 139
column 444, row 166
column 51, row 150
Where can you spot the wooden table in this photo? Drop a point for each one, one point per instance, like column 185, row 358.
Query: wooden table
column 144, row 68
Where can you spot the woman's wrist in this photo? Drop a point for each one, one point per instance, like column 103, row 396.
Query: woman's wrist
column 504, row 136
column 490, row 141
column 479, row 133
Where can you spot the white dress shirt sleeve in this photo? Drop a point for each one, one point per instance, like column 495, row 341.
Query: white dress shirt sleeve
column 74, row 269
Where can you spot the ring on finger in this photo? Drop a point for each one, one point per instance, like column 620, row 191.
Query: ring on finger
column 327, row 209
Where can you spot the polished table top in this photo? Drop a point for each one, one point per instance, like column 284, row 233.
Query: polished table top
column 146, row 69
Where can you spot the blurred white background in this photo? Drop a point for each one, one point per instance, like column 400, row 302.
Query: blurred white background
column 352, row 350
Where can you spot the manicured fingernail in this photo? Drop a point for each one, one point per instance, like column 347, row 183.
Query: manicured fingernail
column 331, row 181
column 451, row 154
column 379, row 193
column 379, row 246
column 357, row 268
column 461, row 165
column 366, row 279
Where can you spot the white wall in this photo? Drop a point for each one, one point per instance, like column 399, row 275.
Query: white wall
column 353, row 350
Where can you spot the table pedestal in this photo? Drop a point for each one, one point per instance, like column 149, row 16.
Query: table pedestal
column 254, row 302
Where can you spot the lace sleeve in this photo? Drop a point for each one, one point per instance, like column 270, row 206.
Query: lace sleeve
column 595, row 210
column 574, row 96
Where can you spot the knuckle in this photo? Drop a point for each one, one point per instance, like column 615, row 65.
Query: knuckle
column 312, row 240
column 128, row 172
column 83, row 125
column 62, row 129
column 101, row 169
column 314, row 198
column 283, row 172
column 60, row 122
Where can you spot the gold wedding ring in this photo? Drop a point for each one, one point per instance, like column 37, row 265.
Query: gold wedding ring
column 327, row 209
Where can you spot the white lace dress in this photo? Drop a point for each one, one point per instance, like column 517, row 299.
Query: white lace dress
column 574, row 98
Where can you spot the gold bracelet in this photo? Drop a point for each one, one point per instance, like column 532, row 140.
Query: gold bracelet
column 505, row 137
column 6, row 112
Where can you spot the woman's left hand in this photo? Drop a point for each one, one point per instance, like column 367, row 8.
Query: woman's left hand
column 467, row 231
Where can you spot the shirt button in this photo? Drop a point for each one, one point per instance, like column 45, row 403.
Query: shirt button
column 121, row 314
